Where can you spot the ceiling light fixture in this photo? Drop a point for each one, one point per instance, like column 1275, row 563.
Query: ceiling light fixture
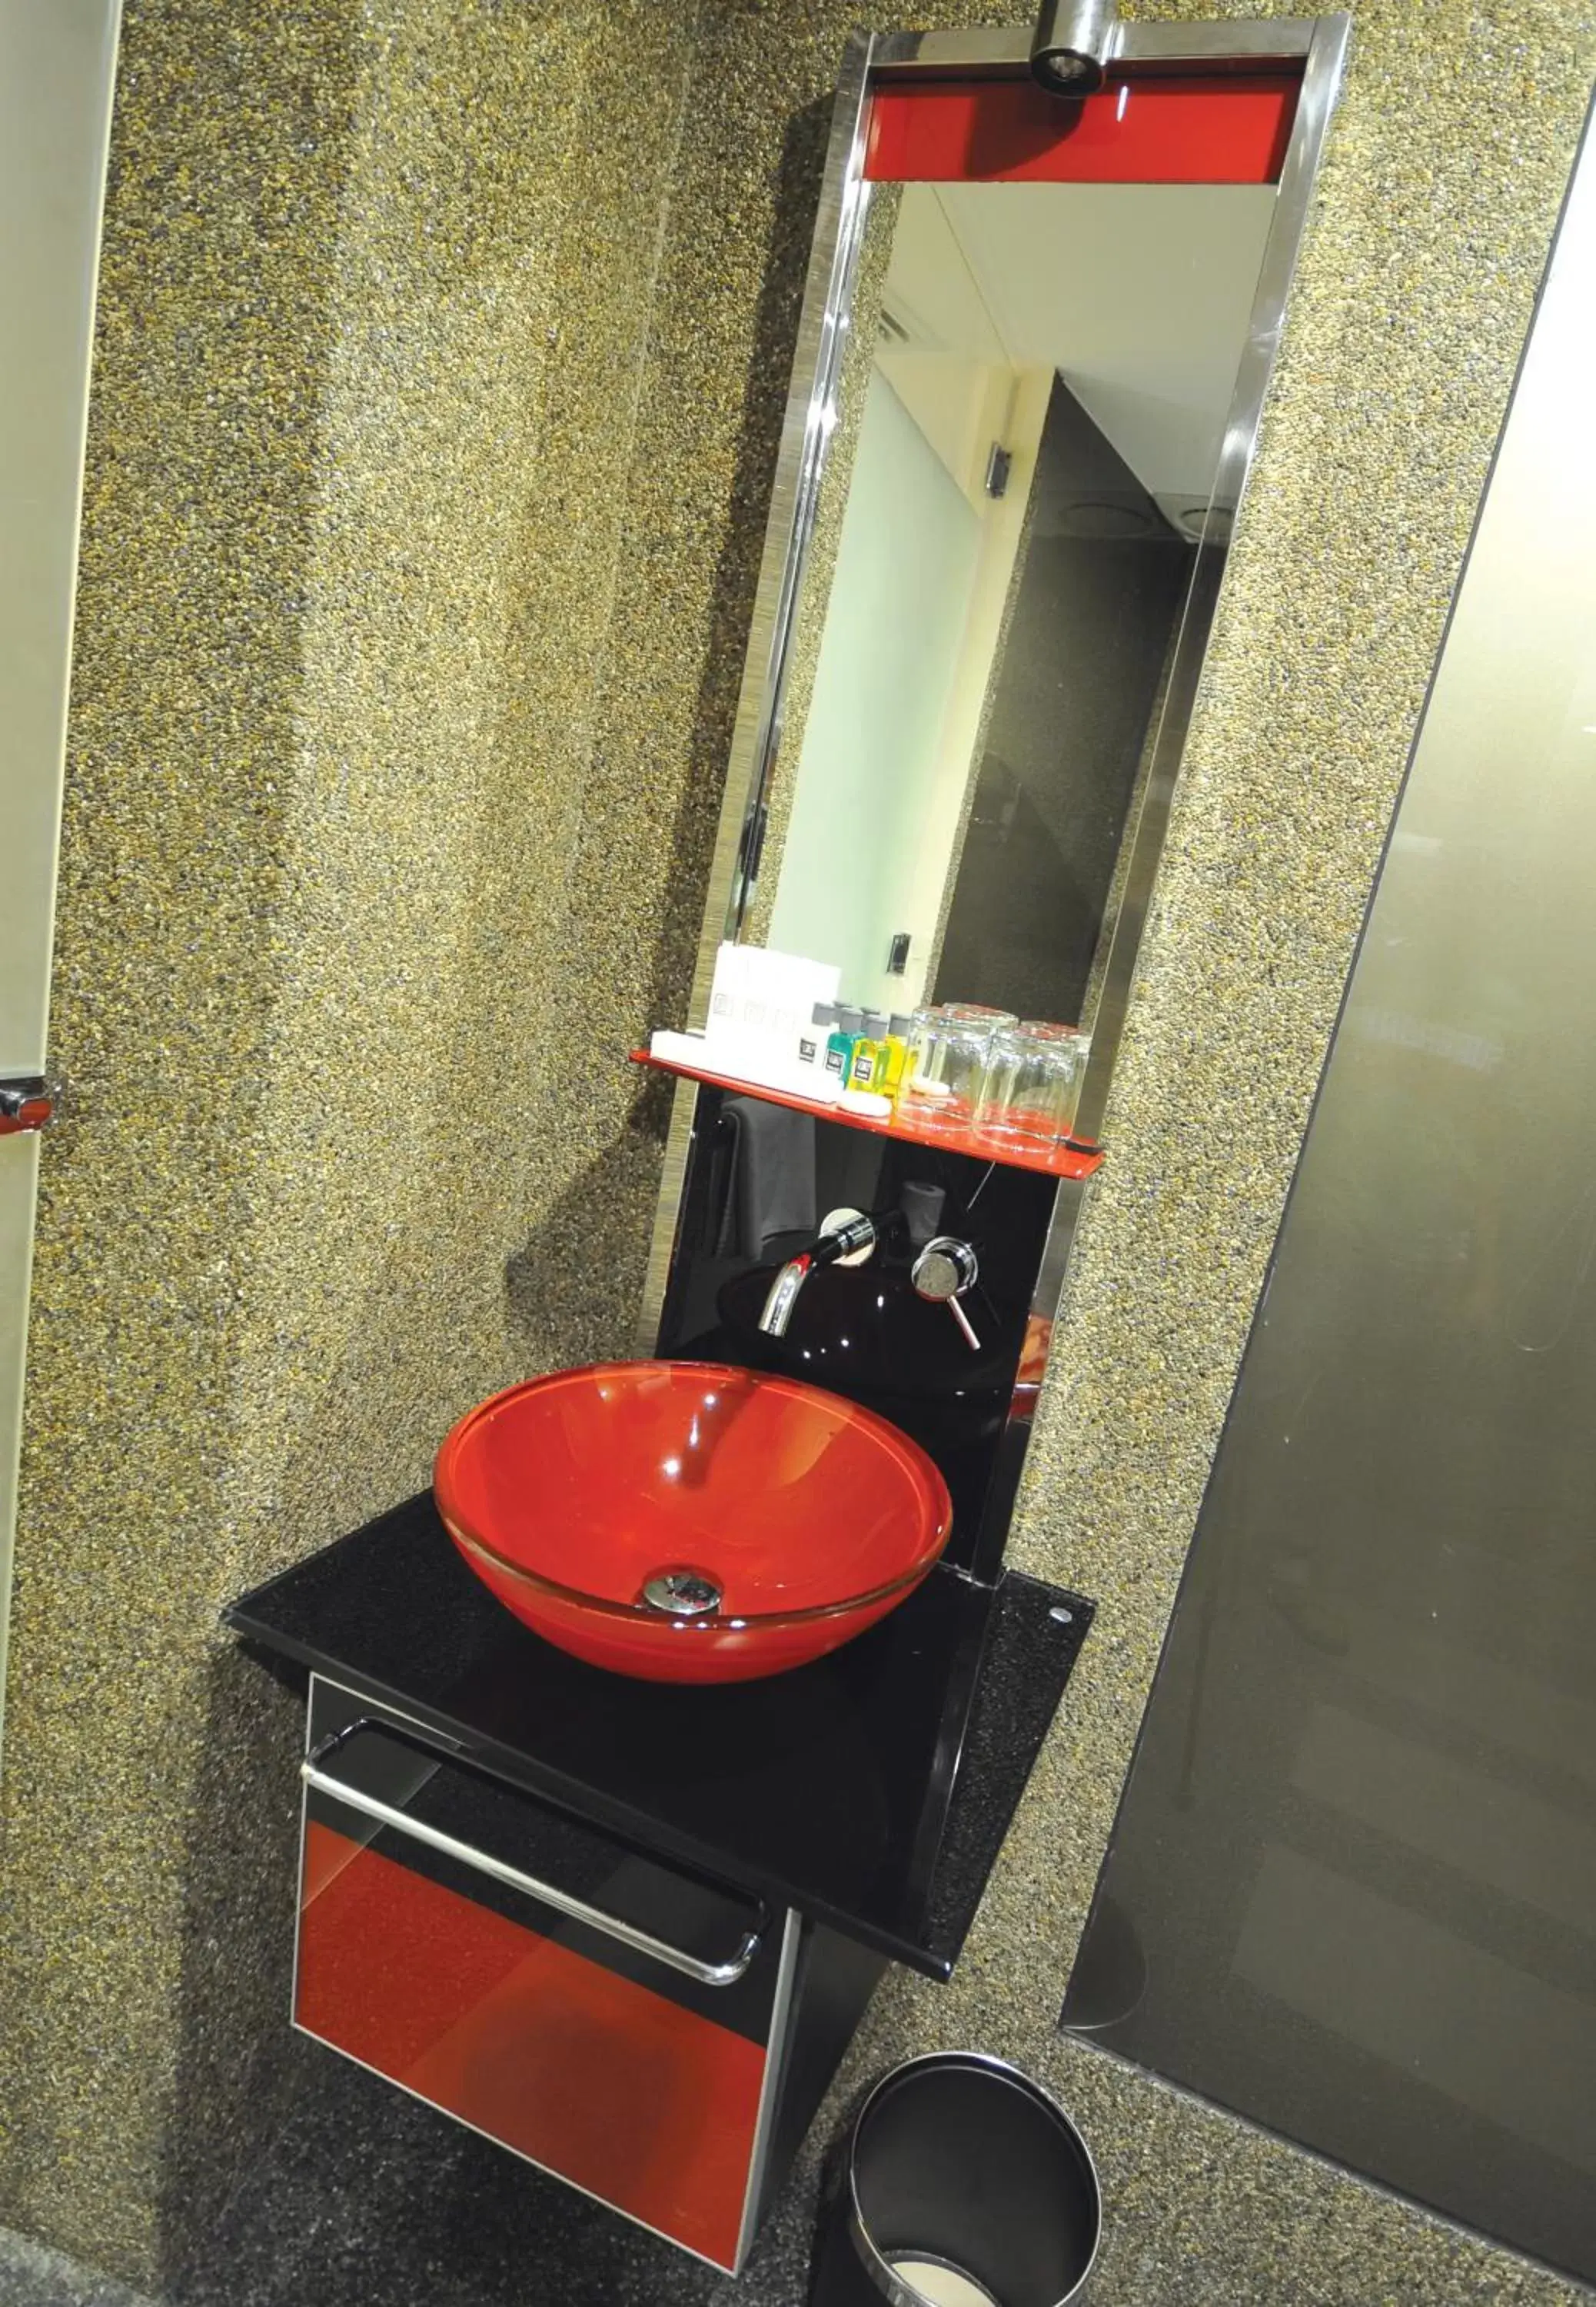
column 1073, row 45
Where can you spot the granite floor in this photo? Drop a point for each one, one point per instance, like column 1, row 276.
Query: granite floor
column 30, row 2276
column 369, row 2199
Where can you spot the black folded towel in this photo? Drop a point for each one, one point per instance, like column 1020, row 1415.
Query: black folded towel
column 763, row 1183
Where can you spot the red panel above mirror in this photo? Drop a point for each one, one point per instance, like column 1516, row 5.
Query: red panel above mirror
column 1186, row 128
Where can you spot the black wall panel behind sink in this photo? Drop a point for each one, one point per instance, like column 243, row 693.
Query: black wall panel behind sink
column 863, row 1331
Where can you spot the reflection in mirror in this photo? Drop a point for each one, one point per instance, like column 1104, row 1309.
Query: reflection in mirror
column 1032, row 414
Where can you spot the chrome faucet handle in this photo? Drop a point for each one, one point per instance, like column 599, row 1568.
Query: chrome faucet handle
column 941, row 1274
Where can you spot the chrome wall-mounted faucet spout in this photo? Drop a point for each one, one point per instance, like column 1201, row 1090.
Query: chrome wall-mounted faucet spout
column 848, row 1234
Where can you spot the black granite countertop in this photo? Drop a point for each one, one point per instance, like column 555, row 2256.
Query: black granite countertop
column 872, row 1789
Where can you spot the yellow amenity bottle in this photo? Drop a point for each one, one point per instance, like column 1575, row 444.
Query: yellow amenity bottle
column 892, row 1056
column 864, row 1066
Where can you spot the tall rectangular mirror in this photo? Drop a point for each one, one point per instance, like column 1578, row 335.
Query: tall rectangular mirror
column 1031, row 429
column 1036, row 341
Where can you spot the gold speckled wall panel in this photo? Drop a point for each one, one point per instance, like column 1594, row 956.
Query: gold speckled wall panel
column 375, row 293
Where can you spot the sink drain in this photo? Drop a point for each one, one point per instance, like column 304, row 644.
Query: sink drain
column 681, row 1593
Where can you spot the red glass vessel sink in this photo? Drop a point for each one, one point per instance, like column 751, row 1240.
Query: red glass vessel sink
column 686, row 1522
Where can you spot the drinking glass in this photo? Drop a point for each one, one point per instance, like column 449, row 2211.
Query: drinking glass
column 948, row 1048
column 1031, row 1085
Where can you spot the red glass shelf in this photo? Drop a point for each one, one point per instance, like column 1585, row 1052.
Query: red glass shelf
column 1063, row 1163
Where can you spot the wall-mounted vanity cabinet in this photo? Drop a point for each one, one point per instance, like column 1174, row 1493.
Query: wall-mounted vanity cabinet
column 631, row 2025
column 627, row 1927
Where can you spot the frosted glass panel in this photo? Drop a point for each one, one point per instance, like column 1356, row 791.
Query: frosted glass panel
column 55, row 72
column 1352, row 1890
column 56, row 67
column 889, row 662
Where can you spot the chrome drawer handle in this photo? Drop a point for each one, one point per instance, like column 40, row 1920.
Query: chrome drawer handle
column 548, row 1894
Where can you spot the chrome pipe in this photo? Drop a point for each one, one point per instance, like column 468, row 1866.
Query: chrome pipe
column 1073, row 45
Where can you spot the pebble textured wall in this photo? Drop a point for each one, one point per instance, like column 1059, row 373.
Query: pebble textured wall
column 428, row 476
column 374, row 299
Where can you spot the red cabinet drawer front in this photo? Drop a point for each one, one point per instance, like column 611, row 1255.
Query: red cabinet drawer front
column 650, row 2106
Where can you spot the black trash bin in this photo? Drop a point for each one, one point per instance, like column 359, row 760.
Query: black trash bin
column 960, row 2184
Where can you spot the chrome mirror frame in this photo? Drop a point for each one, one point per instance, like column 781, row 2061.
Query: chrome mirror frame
column 1319, row 44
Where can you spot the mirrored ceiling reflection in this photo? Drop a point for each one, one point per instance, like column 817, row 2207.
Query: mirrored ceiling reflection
column 1041, row 378
column 1352, row 1890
